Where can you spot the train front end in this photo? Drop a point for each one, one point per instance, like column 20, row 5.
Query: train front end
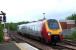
column 52, row 31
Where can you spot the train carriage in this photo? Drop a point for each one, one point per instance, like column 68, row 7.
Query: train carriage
column 49, row 30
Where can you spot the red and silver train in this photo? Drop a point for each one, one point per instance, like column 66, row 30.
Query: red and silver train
column 48, row 30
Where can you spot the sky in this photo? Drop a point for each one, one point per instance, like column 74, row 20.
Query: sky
column 30, row 10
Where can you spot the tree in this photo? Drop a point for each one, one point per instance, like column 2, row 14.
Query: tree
column 72, row 17
column 11, row 26
column 23, row 22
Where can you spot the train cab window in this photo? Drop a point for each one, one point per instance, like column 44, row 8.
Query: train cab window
column 53, row 24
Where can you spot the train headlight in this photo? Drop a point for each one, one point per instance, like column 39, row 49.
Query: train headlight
column 49, row 33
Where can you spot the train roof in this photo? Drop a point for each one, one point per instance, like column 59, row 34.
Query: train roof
column 36, row 22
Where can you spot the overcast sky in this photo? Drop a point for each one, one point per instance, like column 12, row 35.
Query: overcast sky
column 29, row 10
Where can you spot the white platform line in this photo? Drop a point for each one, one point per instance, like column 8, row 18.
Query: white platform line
column 25, row 46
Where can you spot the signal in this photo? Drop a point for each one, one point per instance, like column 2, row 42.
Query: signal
column 4, row 18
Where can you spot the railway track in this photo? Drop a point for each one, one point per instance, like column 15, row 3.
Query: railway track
column 34, row 43
column 41, row 46
column 66, row 46
column 70, row 42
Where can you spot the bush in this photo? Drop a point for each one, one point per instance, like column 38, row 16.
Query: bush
column 1, row 33
column 72, row 36
column 11, row 26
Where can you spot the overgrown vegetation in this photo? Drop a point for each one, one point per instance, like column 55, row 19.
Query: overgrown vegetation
column 72, row 36
column 13, row 26
column 72, row 17
column 1, row 32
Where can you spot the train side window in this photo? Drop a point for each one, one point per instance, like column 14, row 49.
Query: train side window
column 34, row 28
column 26, row 27
column 38, row 27
column 23, row 27
column 29, row 27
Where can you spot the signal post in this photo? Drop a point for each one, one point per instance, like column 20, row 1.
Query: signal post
column 5, row 31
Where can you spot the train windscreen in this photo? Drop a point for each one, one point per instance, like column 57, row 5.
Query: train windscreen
column 53, row 24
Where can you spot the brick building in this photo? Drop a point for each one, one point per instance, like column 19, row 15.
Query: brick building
column 67, row 24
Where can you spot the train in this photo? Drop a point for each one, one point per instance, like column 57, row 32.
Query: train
column 48, row 30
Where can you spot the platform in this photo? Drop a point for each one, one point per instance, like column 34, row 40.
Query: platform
column 16, row 46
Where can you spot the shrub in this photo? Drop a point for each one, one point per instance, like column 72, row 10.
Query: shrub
column 1, row 33
column 11, row 26
column 72, row 36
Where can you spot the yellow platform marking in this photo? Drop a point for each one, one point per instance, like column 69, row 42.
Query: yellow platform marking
column 25, row 46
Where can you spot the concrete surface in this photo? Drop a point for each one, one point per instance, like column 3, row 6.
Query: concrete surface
column 9, row 46
column 16, row 46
